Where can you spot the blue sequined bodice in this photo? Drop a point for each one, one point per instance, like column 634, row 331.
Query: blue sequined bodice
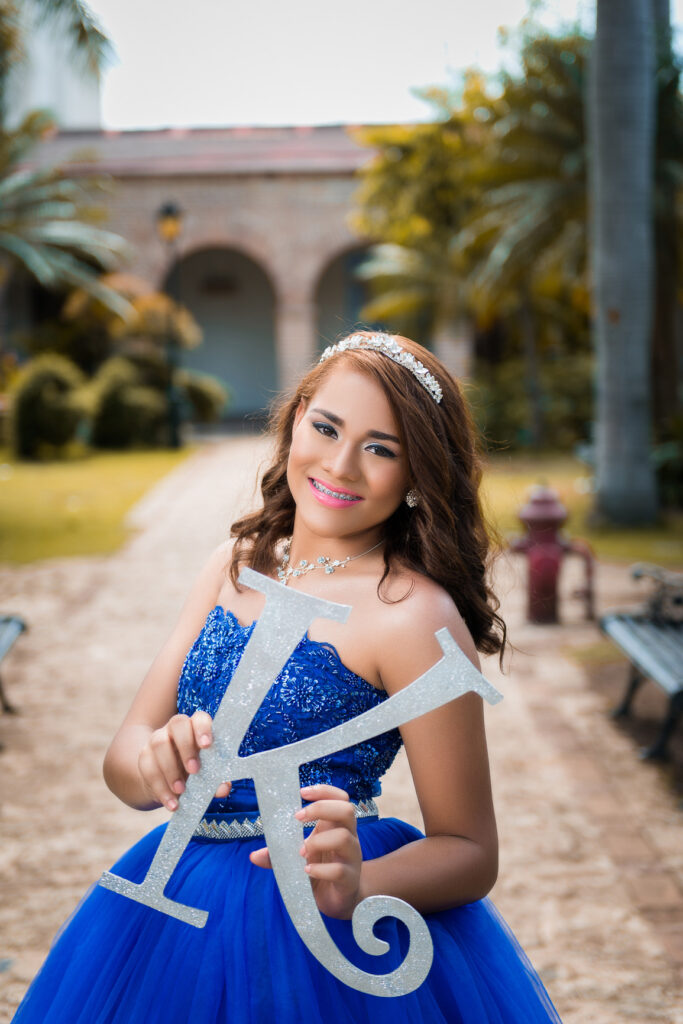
column 313, row 692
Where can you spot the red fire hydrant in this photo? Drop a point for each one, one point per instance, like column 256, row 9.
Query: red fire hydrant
column 545, row 547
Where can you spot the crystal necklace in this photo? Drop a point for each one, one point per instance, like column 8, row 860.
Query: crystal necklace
column 285, row 570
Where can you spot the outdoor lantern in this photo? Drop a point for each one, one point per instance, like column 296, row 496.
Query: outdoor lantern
column 169, row 222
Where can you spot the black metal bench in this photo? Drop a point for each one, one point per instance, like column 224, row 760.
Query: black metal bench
column 11, row 626
column 652, row 640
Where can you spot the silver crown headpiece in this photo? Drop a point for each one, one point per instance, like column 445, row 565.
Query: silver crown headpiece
column 388, row 346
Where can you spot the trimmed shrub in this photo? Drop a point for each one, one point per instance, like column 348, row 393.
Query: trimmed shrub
column 127, row 413
column 205, row 395
column 46, row 406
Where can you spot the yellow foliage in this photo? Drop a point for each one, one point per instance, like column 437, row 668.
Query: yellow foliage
column 154, row 315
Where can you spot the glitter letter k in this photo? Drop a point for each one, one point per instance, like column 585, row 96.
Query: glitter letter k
column 286, row 617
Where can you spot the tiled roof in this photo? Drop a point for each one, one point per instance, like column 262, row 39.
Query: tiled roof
column 197, row 151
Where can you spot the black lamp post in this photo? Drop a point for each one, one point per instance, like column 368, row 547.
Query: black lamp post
column 169, row 224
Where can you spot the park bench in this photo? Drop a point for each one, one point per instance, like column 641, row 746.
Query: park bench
column 10, row 628
column 652, row 640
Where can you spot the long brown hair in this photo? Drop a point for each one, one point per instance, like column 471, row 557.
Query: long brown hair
column 445, row 537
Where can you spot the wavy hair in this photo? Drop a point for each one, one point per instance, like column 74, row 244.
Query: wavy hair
column 446, row 537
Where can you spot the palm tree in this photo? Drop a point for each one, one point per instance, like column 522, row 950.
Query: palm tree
column 529, row 173
column 43, row 224
column 413, row 197
column 521, row 167
column 622, row 131
column 668, row 225
column 43, row 213
column 420, row 293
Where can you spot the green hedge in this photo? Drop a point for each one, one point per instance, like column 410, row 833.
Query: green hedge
column 204, row 393
column 47, row 406
column 127, row 413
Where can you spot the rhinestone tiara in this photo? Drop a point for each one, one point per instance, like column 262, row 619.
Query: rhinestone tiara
column 388, row 345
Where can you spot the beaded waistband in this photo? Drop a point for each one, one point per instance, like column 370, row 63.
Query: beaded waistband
column 225, row 828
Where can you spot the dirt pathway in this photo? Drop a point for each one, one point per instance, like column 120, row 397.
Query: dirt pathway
column 591, row 878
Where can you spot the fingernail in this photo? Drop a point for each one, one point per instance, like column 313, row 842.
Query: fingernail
column 300, row 814
column 172, row 804
column 193, row 765
column 204, row 740
column 307, row 789
column 178, row 786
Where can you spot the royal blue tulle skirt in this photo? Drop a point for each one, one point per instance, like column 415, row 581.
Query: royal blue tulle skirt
column 118, row 962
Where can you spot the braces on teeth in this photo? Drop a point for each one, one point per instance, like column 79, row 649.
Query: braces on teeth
column 335, row 494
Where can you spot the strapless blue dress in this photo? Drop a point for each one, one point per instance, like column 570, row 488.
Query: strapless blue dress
column 119, row 962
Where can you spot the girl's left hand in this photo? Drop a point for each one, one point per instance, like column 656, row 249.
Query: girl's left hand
column 332, row 851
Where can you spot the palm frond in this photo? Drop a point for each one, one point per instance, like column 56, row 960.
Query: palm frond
column 32, row 186
column 391, row 305
column 511, row 239
column 38, row 264
column 104, row 246
column 43, row 225
column 393, row 261
column 73, row 272
column 16, row 144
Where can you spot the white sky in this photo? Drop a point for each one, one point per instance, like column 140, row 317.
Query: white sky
column 236, row 62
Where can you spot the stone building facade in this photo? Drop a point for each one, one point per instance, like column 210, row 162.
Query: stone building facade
column 265, row 256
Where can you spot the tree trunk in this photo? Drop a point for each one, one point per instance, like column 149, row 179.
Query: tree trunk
column 532, row 383
column 621, row 131
column 665, row 369
column 661, row 16
column 453, row 344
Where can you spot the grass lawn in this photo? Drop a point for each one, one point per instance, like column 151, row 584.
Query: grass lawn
column 506, row 486
column 76, row 507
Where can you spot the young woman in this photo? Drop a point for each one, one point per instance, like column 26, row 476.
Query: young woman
column 371, row 500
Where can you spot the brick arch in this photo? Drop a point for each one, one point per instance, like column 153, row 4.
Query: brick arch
column 204, row 242
column 232, row 297
column 341, row 247
column 279, row 195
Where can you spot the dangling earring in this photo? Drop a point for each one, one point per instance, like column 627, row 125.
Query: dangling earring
column 412, row 499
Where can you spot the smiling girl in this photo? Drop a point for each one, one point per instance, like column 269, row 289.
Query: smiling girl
column 371, row 500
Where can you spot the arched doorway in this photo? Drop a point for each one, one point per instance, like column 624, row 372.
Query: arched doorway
column 233, row 301
column 340, row 296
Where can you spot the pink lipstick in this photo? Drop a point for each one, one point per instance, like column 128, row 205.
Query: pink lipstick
column 331, row 497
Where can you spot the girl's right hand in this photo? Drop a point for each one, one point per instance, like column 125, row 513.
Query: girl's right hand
column 172, row 753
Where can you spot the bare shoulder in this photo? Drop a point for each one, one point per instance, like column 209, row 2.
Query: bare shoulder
column 415, row 609
column 215, row 568
column 419, row 604
column 221, row 557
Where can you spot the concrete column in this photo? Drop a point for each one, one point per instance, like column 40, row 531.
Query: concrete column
column 295, row 335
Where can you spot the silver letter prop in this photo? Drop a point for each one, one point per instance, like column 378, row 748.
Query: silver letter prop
column 287, row 615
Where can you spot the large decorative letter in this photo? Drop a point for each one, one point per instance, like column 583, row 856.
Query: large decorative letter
column 287, row 615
